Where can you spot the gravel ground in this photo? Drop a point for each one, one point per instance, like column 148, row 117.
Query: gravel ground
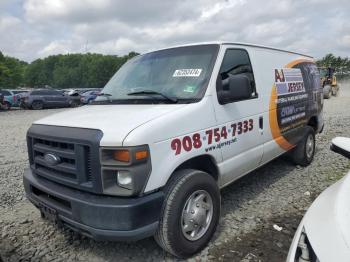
column 278, row 193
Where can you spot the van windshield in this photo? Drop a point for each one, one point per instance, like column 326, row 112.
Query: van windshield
column 176, row 75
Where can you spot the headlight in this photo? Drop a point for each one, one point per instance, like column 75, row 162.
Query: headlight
column 125, row 170
column 124, row 179
column 304, row 250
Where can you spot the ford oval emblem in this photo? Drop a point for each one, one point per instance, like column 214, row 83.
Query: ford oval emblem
column 51, row 159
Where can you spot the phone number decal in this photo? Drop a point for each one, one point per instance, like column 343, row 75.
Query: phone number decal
column 215, row 135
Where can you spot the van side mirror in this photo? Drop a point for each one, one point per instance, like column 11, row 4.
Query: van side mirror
column 341, row 145
column 234, row 88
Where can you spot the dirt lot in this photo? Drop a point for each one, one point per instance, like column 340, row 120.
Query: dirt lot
column 278, row 193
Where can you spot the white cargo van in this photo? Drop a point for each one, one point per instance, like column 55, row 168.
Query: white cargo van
column 171, row 128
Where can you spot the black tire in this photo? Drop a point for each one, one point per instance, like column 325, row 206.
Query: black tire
column 37, row 105
column 328, row 95
column 74, row 104
column 303, row 153
column 335, row 91
column 183, row 185
column 6, row 105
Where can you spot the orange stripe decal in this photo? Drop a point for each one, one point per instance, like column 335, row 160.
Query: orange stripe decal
column 298, row 61
column 275, row 129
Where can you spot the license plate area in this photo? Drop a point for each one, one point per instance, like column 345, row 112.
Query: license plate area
column 48, row 213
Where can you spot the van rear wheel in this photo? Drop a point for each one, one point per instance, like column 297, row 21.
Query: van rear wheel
column 304, row 152
column 190, row 213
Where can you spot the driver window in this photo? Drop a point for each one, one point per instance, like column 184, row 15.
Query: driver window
column 236, row 62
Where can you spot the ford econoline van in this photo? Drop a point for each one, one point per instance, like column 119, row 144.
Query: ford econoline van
column 171, row 128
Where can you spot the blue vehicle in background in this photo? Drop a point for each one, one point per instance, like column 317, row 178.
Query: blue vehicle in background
column 10, row 99
column 89, row 96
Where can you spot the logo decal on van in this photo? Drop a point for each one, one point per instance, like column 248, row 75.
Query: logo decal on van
column 290, row 104
column 289, row 81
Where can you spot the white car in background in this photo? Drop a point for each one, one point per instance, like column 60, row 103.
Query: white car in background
column 324, row 232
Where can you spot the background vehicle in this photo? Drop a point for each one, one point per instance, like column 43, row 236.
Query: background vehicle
column 324, row 232
column 39, row 99
column 10, row 98
column 328, row 82
column 89, row 96
column 19, row 93
column 79, row 90
column 74, row 97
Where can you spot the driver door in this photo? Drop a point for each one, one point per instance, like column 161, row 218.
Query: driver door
column 243, row 119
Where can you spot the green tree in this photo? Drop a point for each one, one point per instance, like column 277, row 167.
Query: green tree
column 11, row 72
column 74, row 70
column 331, row 60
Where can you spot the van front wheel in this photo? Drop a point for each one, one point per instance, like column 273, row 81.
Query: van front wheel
column 304, row 152
column 190, row 213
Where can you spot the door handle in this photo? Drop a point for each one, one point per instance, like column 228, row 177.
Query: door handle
column 261, row 124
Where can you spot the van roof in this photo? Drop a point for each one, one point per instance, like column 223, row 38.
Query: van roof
column 237, row 43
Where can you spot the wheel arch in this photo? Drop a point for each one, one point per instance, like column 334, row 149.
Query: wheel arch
column 313, row 122
column 205, row 163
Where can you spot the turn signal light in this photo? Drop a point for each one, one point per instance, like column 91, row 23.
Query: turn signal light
column 122, row 155
column 139, row 155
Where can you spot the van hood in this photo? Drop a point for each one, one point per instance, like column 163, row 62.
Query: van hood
column 115, row 121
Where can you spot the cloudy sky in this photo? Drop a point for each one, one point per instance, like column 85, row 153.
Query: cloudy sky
column 30, row 29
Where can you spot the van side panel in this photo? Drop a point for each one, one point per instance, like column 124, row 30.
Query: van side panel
column 292, row 94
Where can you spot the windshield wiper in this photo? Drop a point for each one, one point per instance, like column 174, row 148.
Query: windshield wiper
column 151, row 92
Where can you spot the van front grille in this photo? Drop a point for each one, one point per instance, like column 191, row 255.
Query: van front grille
column 75, row 161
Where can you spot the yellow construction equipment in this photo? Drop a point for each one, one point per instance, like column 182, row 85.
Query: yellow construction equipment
column 328, row 81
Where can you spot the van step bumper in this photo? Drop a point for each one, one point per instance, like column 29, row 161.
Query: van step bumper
column 97, row 216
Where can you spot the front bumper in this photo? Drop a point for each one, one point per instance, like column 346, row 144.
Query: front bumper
column 97, row 216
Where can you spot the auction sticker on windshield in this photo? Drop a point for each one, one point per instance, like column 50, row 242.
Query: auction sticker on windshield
column 195, row 72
